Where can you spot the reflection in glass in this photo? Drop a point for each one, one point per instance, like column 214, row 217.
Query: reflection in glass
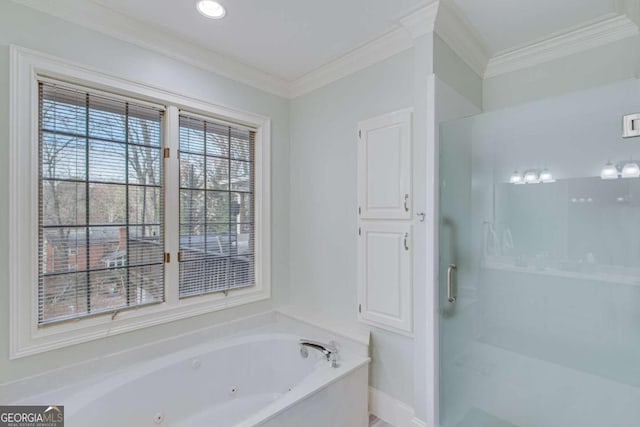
column 545, row 329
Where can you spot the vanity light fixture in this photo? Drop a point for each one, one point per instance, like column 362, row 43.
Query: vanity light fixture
column 609, row 171
column 531, row 177
column 546, row 177
column 630, row 170
column 516, row 178
column 211, row 9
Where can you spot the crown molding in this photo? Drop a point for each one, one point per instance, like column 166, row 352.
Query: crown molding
column 421, row 21
column 631, row 8
column 391, row 43
column 442, row 17
column 606, row 30
column 410, row 26
column 96, row 17
column 460, row 35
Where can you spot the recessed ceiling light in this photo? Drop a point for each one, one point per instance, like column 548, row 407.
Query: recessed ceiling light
column 211, row 9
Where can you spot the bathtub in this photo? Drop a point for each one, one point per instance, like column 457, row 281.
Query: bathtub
column 245, row 373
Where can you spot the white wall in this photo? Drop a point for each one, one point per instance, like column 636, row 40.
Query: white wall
column 27, row 28
column 314, row 169
column 595, row 67
column 324, row 199
column 455, row 73
column 314, row 181
column 324, row 204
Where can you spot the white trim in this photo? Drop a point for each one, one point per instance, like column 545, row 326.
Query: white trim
column 25, row 336
column 379, row 49
column 417, row 422
column 98, row 18
column 411, row 26
column 600, row 32
column 421, row 21
column 431, row 301
column 354, row 331
column 94, row 16
column 392, row 411
column 449, row 22
column 172, row 201
column 461, row 36
column 631, row 8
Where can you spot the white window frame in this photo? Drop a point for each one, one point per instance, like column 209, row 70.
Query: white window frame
column 26, row 337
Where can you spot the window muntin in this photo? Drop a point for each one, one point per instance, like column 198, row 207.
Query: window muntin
column 217, row 194
column 28, row 336
column 100, row 233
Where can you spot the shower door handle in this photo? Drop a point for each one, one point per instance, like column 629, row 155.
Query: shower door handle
column 450, row 297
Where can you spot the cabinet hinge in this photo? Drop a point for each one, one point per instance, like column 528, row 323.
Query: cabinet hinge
column 165, row 153
column 359, row 308
column 179, row 256
column 167, row 257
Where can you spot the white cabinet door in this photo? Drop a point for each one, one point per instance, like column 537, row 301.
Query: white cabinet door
column 384, row 279
column 384, row 167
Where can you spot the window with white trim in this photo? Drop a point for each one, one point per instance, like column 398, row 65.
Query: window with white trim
column 130, row 206
column 100, row 203
column 216, row 206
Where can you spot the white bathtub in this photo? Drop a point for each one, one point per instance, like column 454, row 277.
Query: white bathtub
column 244, row 373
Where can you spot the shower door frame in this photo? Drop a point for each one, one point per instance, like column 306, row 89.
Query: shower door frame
column 432, row 294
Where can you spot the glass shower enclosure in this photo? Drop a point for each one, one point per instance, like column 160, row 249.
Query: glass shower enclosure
column 539, row 316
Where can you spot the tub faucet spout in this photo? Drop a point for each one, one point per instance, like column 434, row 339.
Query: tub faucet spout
column 329, row 351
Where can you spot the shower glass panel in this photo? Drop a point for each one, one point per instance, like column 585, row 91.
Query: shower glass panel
column 540, row 213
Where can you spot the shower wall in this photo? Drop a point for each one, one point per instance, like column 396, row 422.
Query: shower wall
column 545, row 328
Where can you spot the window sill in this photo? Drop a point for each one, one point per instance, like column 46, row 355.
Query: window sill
column 26, row 338
column 101, row 326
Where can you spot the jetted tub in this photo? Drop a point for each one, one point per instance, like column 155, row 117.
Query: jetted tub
column 249, row 373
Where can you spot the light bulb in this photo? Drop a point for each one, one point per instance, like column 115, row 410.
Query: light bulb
column 546, row 177
column 531, row 177
column 516, row 178
column 631, row 170
column 211, row 9
column 609, row 171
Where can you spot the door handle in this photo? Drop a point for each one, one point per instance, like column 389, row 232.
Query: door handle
column 406, row 203
column 406, row 245
column 450, row 297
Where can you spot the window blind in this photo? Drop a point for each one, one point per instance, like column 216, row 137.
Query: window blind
column 101, row 242
column 217, row 175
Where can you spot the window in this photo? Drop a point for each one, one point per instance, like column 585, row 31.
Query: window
column 141, row 206
column 216, row 206
column 100, row 203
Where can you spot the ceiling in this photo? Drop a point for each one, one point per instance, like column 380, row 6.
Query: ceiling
column 506, row 24
column 290, row 47
column 286, row 38
column 290, row 38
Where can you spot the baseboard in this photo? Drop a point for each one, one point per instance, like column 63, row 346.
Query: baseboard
column 392, row 411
